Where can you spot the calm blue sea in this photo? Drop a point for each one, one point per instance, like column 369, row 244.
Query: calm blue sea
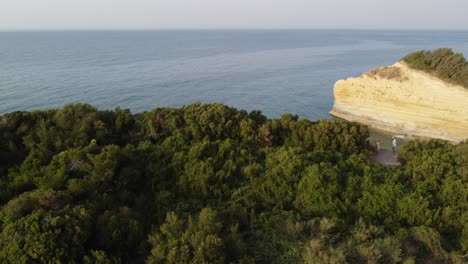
column 275, row 71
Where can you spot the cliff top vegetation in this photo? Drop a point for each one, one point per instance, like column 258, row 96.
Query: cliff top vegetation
column 443, row 63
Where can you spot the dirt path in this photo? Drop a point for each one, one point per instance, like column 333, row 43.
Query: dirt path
column 386, row 157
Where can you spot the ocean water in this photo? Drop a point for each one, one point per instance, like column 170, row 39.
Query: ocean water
column 275, row 71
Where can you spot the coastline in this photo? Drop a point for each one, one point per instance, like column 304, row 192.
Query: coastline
column 400, row 100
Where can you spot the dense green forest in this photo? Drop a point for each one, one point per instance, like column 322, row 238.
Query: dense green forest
column 442, row 63
column 207, row 183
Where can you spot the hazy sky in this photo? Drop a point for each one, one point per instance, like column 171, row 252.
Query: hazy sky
column 163, row 14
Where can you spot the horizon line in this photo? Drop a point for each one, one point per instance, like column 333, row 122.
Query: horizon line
column 223, row 29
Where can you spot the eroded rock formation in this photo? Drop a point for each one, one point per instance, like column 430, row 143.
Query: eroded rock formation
column 401, row 100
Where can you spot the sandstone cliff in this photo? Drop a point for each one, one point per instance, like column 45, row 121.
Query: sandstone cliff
column 401, row 100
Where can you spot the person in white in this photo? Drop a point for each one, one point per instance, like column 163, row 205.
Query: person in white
column 394, row 144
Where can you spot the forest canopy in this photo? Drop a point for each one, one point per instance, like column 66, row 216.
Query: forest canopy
column 207, row 183
column 442, row 63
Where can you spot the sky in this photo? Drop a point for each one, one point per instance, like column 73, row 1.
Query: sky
column 233, row 14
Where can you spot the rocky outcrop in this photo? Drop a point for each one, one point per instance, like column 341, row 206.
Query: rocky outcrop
column 401, row 100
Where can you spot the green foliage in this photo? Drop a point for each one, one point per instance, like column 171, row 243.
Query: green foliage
column 319, row 191
column 197, row 241
column 119, row 232
column 443, row 63
column 208, row 183
column 46, row 236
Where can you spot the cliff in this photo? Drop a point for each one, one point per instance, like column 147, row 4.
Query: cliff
column 399, row 99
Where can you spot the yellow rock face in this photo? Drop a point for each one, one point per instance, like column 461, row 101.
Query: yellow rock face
column 402, row 100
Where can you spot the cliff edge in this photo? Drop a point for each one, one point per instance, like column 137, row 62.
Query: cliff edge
column 402, row 100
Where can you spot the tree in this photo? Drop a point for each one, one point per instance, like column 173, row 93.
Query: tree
column 197, row 241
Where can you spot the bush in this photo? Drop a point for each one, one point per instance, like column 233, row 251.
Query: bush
column 442, row 63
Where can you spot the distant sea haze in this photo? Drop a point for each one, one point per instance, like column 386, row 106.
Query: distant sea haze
column 275, row 71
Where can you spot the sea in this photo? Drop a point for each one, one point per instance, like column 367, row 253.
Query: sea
column 274, row 71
